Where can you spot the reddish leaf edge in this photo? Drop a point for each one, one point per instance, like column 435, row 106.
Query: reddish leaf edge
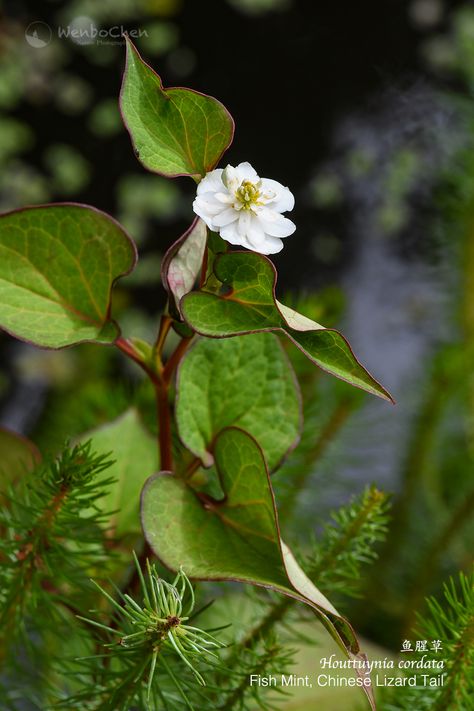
column 195, row 176
column 351, row 649
column 384, row 395
column 170, row 253
column 108, row 320
column 208, row 463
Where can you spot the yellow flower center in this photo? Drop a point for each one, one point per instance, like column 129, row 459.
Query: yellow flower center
column 247, row 194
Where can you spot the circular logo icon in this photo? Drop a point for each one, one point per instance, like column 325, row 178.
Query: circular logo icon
column 38, row 34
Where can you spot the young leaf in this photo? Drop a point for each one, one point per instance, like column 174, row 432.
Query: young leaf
column 135, row 455
column 58, row 264
column 174, row 131
column 182, row 262
column 236, row 538
column 245, row 381
column 18, row 456
column 250, row 306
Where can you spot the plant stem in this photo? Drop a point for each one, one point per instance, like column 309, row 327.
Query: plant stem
column 128, row 349
column 192, row 468
column 162, row 399
column 165, row 325
column 161, row 382
column 175, row 359
column 29, row 559
column 163, row 405
column 164, row 427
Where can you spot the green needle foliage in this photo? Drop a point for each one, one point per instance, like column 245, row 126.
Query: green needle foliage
column 348, row 543
column 334, row 563
column 452, row 624
column 53, row 534
column 141, row 645
column 272, row 657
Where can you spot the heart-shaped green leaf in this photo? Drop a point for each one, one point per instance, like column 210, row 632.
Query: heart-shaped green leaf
column 58, row 264
column 236, row 538
column 18, row 456
column 249, row 305
column 245, row 381
column 135, row 456
column 182, row 262
column 174, row 131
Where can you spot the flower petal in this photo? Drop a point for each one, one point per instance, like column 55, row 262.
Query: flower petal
column 250, row 224
column 231, row 234
column 225, row 217
column 230, row 178
column 224, row 197
column 244, row 171
column 244, row 222
column 272, row 245
column 275, row 224
column 203, row 210
column 283, row 199
column 255, row 233
column 211, row 183
column 204, row 216
column 208, row 202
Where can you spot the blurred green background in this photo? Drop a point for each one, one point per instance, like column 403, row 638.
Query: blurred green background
column 366, row 111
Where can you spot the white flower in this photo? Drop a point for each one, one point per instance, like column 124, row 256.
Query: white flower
column 245, row 209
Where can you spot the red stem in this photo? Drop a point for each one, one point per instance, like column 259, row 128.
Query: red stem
column 192, row 468
column 175, row 358
column 126, row 347
column 161, row 383
column 164, row 415
column 164, row 427
column 165, row 325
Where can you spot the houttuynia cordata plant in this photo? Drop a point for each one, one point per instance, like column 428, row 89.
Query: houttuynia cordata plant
column 228, row 414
